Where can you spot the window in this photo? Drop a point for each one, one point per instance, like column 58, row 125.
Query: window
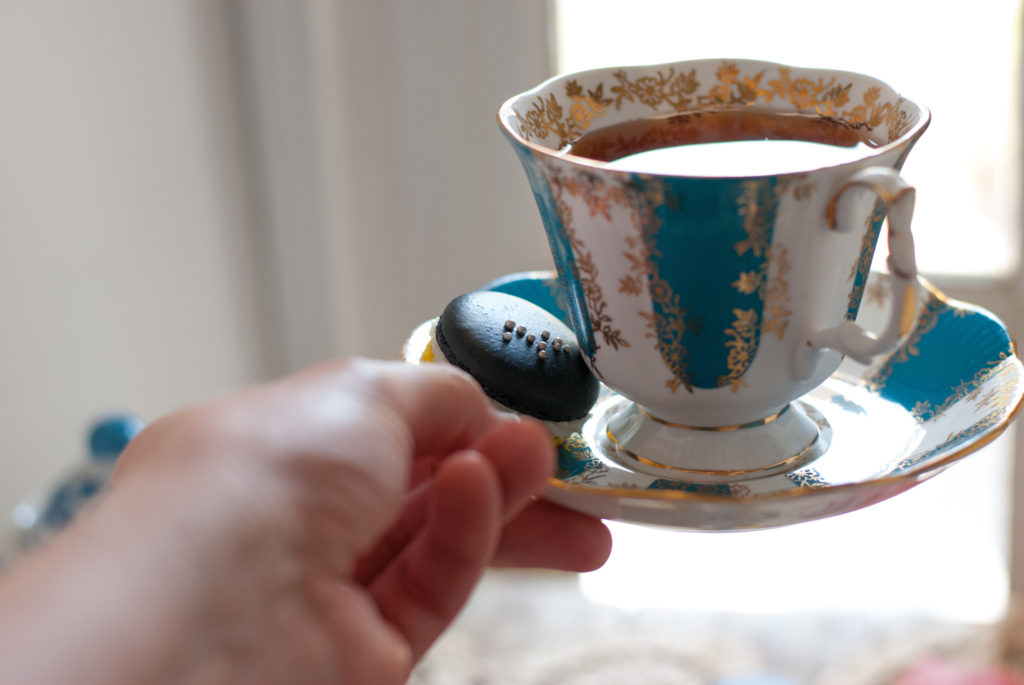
column 948, row 61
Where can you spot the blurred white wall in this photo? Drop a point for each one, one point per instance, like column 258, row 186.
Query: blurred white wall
column 125, row 273
column 376, row 127
column 197, row 194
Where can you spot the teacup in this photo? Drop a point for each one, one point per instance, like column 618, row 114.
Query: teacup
column 712, row 299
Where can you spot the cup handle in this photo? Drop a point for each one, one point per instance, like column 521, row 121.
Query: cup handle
column 848, row 338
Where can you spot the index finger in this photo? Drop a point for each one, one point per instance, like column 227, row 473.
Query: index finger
column 443, row 408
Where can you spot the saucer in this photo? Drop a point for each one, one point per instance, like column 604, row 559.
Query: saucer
column 951, row 387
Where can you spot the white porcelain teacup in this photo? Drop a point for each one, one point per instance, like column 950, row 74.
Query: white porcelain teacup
column 713, row 298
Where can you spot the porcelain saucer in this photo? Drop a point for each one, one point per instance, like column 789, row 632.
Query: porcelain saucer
column 952, row 386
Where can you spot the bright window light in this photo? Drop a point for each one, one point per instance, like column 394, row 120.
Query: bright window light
column 936, row 552
column 962, row 65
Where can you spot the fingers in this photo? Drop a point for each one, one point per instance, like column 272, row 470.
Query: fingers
column 373, row 651
column 422, row 590
column 542, row 535
column 522, row 457
column 427, row 409
column 546, row 535
column 444, row 408
column 404, row 529
column 538, row 533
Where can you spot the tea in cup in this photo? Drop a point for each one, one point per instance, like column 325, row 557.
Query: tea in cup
column 713, row 224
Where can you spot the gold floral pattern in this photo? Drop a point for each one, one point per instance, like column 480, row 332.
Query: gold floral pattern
column 598, row 196
column 547, row 116
column 862, row 266
column 636, row 256
column 671, row 321
column 758, row 202
column 807, row 478
column 928, row 319
column 742, row 344
column 657, row 90
column 667, row 89
column 968, row 389
column 577, row 463
column 860, row 269
column 750, row 282
column 669, row 335
column 998, row 401
column 774, row 292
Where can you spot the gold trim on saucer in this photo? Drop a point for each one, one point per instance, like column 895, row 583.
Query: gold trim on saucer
column 732, row 505
column 905, row 479
column 753, row 424
column 718, row 473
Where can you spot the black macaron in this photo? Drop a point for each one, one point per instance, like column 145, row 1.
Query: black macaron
column 520, row 354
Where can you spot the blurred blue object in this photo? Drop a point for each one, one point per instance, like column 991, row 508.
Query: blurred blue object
column 109, row 436
column 70, row 496
column 35, row 521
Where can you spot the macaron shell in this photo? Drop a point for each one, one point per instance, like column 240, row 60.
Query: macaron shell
column 500, row 340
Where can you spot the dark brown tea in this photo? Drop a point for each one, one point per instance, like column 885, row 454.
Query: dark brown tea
column 737, row 142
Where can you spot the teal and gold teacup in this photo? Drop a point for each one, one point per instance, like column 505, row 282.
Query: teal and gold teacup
column 713, row 223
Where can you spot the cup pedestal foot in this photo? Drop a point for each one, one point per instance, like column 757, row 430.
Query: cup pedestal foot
column 787, row 441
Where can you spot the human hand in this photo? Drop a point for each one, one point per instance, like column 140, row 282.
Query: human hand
column 326, row 527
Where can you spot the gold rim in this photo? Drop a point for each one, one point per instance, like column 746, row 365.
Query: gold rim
column 714, row 429
column 507, row 108
column 716, row 472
